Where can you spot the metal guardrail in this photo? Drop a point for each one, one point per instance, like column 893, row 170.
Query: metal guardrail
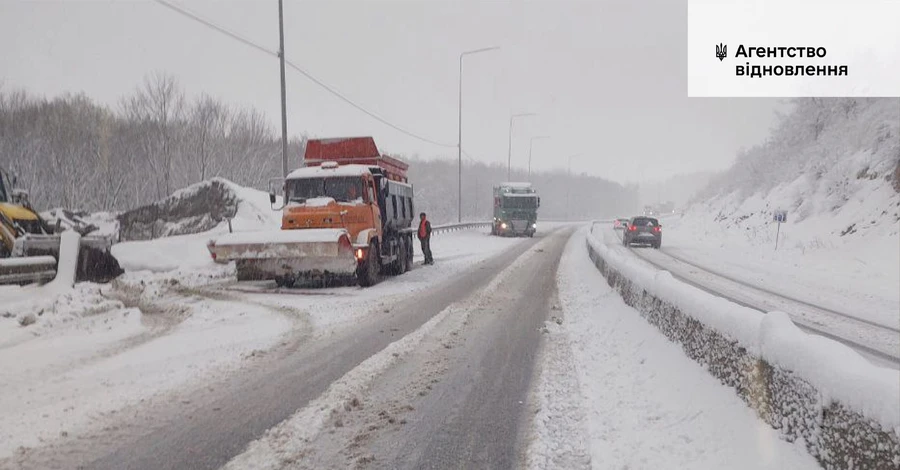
column 457, row 227
column 445, row 228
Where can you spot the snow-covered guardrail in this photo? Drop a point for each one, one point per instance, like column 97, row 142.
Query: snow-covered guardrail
column 455, row 227
column 445, row 228
column 845, row 410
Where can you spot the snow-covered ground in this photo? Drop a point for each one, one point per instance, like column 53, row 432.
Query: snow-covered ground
column 832, row 165
column 858, row 276
column 72, row 356
column 641, row 403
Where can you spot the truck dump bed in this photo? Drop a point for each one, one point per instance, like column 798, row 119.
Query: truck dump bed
column 354, row 151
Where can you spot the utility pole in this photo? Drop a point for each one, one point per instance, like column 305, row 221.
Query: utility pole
column 569, row 183
column 459, row 145
column 530, row 148
column 509, row 148
column 284, row 137
column 459, row 141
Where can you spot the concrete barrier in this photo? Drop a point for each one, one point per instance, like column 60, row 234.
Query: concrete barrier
column 837, row 436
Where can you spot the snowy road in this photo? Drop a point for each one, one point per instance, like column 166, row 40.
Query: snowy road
column 459, row 399
column 206, row 425
column 510, row 353
column 877, row 341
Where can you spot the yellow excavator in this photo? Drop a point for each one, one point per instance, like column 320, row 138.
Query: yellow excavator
column 30, row 247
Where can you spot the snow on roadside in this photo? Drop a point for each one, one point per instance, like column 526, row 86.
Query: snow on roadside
column 834, row 369
column 73, row 379
column 856, row 274
column 647, row 405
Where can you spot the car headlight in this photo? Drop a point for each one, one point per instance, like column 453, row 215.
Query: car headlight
column 534, row 225
column 503, row 225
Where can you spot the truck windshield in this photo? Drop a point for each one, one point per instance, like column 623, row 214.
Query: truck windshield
column 341, row 189
column 520, row 202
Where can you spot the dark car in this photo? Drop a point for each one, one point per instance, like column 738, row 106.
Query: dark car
column 620, row 224
column 643, row 231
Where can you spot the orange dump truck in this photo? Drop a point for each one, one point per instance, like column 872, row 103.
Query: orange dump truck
column 348, row 212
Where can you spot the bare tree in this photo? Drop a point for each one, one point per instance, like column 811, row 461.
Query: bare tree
column 209, row 121
column 158, row 105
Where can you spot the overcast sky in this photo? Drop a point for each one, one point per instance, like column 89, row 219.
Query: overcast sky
column 607, row 78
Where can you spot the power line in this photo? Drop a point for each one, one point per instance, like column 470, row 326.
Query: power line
column 364, row 110
column 216, row 27
column 299, row 69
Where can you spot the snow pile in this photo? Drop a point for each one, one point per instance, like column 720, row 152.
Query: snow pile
column 808, row 387
column 104, row 224
column 57, row 302
column 186, row 253
column 199, row 208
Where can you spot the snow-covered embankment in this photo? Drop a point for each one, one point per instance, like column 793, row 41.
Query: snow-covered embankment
column 846, row 410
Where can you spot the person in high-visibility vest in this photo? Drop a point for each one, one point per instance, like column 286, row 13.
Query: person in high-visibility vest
column 425, row 238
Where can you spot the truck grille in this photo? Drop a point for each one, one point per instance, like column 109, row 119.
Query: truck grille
column 519, row 225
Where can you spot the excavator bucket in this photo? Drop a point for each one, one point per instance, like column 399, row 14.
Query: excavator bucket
column 287, row 256
column 35, row 259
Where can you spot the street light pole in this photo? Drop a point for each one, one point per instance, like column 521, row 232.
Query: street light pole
column 530, row 148
column 459, row 142
column 284, row 165
column 569, row 183
column 509, row 148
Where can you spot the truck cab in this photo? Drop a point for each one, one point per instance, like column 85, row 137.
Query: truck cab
column 515, row 210
column 348, row 211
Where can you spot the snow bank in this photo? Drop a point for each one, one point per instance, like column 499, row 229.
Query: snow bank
column 845, row 409
column 834, row 165
column 199, row 208
column 250, row 212
column 611, row 383
column 165, row 254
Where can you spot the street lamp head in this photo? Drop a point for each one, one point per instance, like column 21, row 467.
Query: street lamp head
column 476, row 51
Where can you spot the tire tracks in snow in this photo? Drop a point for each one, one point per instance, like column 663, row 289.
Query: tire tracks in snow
column 163, row 312
column 433, row 396
column 205, row 426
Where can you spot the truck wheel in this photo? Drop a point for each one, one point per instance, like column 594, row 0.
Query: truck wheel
column 409, row 253
column 284, row 281
column 367, row 272
column 401, row 264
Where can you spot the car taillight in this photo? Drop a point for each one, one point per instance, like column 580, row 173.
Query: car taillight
column 632, row 228
column 657, row 229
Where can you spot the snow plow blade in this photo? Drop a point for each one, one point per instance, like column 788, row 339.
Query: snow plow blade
column 288, row 255
column 32, row 255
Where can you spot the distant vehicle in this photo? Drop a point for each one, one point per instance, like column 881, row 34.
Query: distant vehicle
column 515, row 210
column 643, row 231
column 620, row 224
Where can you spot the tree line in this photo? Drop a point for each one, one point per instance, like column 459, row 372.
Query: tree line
column 71, row 152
